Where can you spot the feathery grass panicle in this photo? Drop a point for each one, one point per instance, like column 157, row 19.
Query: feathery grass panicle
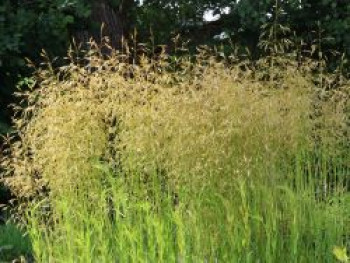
column 192, row 160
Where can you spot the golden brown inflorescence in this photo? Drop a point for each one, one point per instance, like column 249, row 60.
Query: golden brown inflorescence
column 204, row 115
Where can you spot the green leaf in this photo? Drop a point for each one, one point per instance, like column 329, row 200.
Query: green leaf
column 69, row 19
column 341, row 254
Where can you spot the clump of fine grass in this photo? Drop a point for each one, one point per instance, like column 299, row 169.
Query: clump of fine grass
column 114, row 112
column 13, row 243
column 208, row 162
column 250, row 220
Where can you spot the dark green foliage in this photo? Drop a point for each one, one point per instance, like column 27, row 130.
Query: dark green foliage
column 242, row 21
column 334, row 18
column 13, row 244
column 27, row 27
column 3, row 127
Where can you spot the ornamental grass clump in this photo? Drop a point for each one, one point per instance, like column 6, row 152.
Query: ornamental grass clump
column 202, row 116
column 157, row 159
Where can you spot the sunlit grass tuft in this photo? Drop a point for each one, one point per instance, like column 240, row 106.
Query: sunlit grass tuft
column 209, row 162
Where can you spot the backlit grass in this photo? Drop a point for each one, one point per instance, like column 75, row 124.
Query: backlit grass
column 205, row 163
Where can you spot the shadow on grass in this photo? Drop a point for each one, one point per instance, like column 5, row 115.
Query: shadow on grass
column 14, row 245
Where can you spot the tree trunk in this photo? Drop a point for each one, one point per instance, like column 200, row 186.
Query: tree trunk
column 106, row 21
